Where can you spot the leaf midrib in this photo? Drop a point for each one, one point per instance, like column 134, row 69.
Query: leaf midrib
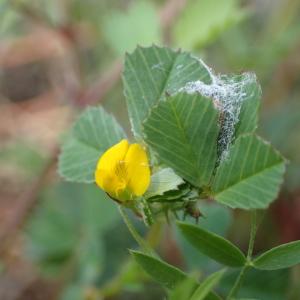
column 222, row 250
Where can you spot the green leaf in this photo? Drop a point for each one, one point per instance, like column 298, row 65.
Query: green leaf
column 186, row 288
column 183, row 290
column 162, row 181
column 249, row 110
column 283, row 256
column 183, row 130
column 71, row 219
column 94, row 132
column 207, row 285
column 250, row 177
column 165, row 274
column 152, row 72
column 213, row 245
column 204, row 20
column 140, row 25
column 212, row 211
column 213, row 296
column 159, row 270
column 258, row 284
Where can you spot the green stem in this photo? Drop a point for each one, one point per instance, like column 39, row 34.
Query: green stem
column 239, row 280
column 142, row 243
column 252, row 235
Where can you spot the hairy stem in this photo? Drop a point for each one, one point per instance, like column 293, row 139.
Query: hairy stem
column 239, row 280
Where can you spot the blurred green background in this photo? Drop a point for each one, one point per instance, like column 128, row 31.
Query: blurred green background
column 66, row 241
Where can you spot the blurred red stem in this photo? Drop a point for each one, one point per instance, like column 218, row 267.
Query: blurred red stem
column 94, row 94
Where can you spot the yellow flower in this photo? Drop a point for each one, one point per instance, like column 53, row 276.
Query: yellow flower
column 123, row 171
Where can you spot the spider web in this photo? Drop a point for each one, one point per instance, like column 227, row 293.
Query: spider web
column 228, row 93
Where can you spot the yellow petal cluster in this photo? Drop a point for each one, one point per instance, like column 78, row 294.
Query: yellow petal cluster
column 123, row 171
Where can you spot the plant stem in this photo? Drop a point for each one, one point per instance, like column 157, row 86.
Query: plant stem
column 142, row 243
column 239, row 280
column 252, row 235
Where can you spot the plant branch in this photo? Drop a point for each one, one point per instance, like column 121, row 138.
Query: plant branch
column 252, row 235
column 239, row 280
column 141, row 242
column 26, row 202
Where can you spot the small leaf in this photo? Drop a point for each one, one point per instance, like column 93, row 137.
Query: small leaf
column 183, row 290
column 165, row 274
column 140, row 25
column 212, row 211
column 93, row 133
column 258, row 284
column 162, row 181
column 159, row 270
column 250, row 177
column 283, row 256
column 249, row 110
column 207, row 285
column 204, row 20
column 151, row 73
column 212, row 245
column 183, row 191
column 183, row 130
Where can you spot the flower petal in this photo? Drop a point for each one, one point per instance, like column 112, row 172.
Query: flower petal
column 138, row 171
column 105, row 175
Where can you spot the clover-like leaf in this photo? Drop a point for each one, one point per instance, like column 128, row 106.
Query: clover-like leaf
column 93, row 133
column 162, row 181
column 248, row 116
column 183, row 131
column 160, row 271
column 151, row 73
column 213, row 245
column 250, row 177
column 283, row 256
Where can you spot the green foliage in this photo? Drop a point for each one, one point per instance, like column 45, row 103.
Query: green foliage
column 22, row 156
column 151, row 73
column 257, row 284
column 9, row 20
column 159, row 270
column 171, row 277
column 211, row 211
column 93, row 133
column 183, row 130
column 283, row 256
column 207, row 285
column 71, row 220
column 75, row 232
column 200, row 132
column 162, row 181
column 204, row 20
column 248, row 117
column 183, row 290
column 251, row 175
column 139, row 26
column 212, row 245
